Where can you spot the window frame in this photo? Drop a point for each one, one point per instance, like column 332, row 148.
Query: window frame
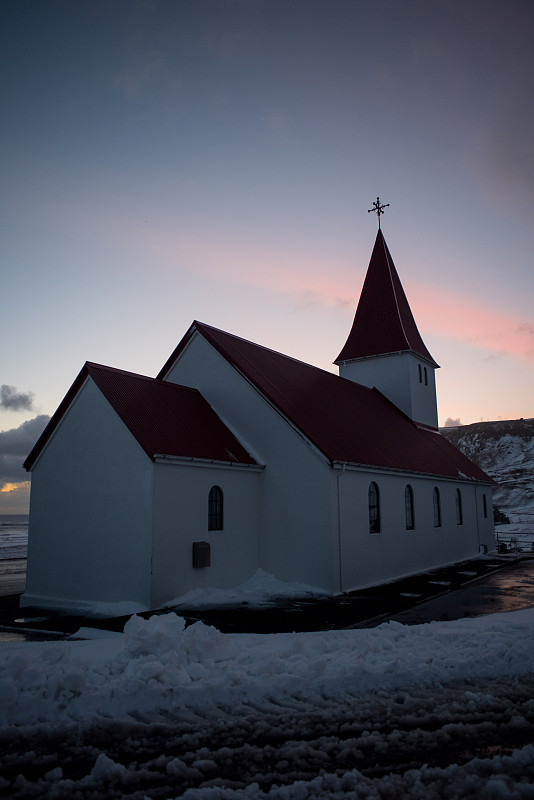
column 436, row 502
column 459, row 508
column 215, row 509
column 373, row 504
column 409, row 508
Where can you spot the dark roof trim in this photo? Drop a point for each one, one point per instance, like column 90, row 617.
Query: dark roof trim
column 431, row 476
column 419, row 357
column 56, row 417
column 162, row 458
column 180, row 347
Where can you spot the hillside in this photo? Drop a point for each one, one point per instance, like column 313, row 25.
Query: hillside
column 505, row 450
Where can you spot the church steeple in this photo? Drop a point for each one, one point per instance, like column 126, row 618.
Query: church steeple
column 384, row 322
column 384, row 347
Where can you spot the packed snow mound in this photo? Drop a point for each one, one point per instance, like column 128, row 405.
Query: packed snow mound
column 153, row 636
column 261, row 589
column 161, row 635
column 159, row 669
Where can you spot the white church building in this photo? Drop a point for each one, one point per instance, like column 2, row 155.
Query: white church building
column 236, row 457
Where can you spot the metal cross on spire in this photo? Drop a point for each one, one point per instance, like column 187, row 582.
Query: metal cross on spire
column 378, row 208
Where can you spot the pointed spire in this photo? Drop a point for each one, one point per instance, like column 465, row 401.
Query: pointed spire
column 384, row 322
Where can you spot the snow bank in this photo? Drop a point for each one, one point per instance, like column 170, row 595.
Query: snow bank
column 498, row 778
column 259, row 590
column 158, row 669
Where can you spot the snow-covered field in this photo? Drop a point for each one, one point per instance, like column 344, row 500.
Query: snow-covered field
column 441, row 710
column 515, row 540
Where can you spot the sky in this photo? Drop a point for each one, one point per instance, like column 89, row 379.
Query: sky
column 164, row 161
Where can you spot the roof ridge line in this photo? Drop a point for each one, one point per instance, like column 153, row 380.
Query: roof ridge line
column 389, row 263
column 89, row 365
column 262, row 347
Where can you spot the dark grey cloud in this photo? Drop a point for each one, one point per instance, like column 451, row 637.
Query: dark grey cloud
column 15, row 445
column 15, row 401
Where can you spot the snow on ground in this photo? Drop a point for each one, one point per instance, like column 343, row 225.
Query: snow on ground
column 518, row 534
column 444, row 709
column 261, row 588
column 160, row 668
column 516, row 540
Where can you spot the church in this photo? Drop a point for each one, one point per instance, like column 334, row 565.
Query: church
column 236, row 457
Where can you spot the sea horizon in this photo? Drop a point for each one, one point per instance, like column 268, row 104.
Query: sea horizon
column 13, row 536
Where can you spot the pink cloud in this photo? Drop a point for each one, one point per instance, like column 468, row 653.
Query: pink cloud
column 313, row 280
column 450, row 314
column 317, row 282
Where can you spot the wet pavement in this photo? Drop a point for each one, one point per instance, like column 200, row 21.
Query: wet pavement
column 470, row 588
column 467, row 589
column 509, row 589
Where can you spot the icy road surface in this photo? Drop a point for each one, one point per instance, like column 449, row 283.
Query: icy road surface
column 440, row 710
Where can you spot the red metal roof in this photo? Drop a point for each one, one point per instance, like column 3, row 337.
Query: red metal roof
column 383, row 322
column 347, row 422
column 165, row 418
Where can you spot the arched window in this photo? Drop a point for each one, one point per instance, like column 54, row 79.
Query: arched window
column 409, row 508
column 420, row 373
column 485, row 506
column 374, row 508
column 215, row 509
column 437, row 508
column 459, row 512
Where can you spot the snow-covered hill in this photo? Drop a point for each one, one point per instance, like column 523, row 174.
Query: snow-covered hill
column 505, row 450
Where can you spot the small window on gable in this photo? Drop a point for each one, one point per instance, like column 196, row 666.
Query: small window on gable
column 215, row 509
column 459, row 511
column 420, row 373
column 374, row 508
column 437, row 508
column 426, row 377
column 409, row 508
column 485, row 506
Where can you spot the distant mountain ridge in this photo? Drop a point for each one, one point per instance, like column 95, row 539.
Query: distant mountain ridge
column 505, row 451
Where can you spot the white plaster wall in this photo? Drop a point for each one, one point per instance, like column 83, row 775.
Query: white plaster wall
column 486, row 525
column 181, row 518
column 90, row 511
column 424, row 397
column 373, row 558
column 297, row 509
column 397, row 376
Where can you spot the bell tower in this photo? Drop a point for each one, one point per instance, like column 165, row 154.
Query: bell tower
column 384, row 349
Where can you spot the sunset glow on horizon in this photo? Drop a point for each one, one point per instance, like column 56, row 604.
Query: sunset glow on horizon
column 166, row 161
